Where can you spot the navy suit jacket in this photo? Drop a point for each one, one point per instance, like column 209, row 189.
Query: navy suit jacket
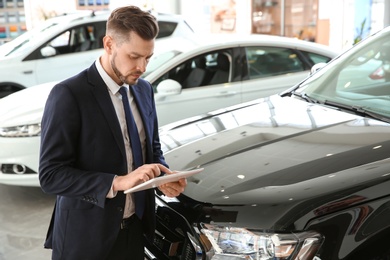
column 82, row 149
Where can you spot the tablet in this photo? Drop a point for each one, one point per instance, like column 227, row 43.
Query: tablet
column 153, row 183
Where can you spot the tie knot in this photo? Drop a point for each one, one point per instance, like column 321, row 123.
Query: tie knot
column 123, row 91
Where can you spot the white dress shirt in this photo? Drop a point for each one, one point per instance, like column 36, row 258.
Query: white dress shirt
column 116, row 98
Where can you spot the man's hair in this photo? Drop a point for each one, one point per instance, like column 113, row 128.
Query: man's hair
column 124, row 20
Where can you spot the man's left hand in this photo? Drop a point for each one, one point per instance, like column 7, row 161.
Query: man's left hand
column 173, row 189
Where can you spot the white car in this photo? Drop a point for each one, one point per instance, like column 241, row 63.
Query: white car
column 218, row 74
column 227, row 70
column 65, row 45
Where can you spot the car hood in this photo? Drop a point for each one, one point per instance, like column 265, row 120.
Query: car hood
column 24, row 107
column 278, row 162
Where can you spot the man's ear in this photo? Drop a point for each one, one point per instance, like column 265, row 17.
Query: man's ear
column 108, row 43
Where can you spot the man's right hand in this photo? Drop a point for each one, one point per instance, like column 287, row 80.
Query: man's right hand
column 138, row 176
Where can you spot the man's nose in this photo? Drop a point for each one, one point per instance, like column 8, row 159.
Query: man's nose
column 142, row 65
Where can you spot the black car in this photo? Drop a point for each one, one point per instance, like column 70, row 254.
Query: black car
column 300, row 175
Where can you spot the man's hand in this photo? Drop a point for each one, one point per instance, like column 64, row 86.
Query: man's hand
column 138, row 176
column 173, row 189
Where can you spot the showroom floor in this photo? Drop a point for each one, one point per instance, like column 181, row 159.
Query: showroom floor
column 24, row 217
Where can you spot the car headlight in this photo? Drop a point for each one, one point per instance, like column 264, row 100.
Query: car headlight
column 239, row 243
column 21, row 131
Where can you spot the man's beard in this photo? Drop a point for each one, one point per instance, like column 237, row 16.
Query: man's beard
column 119, row 75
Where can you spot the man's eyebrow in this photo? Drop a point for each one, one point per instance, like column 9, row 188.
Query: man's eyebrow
column 140, row 55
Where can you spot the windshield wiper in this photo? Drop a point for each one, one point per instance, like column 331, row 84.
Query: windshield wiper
column 358, row 110
column 306, row 97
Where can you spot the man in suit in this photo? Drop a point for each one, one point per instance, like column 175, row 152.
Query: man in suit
column 86, row 155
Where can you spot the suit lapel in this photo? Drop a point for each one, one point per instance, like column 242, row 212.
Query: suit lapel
column 142, row 100
column 103, row 98
column 144, row 108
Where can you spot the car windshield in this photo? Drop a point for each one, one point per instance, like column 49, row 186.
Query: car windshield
column 159, row 59
column 358, row 81
column 27, row 39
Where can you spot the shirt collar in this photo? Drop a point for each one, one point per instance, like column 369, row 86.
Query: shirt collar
column 110, row 83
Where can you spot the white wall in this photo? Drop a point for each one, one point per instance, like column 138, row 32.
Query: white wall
column 162, row 6
column 140, row 3
column 244, row 16
column 377, row 15
column 341, row 22
column 37, row 9
column 197, row 14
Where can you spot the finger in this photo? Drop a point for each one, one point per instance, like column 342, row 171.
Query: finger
column 183, row 182
column 162, row 168
column 158, row 169
column 149, row 171
column 170, row 192
column 151, row 174
column 144, row 177
column 178, row 185
column 152, row 170
column 175, row 188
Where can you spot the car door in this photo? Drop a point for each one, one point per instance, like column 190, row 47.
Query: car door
column 75, row 49
column 207, row 81
column 272, row 70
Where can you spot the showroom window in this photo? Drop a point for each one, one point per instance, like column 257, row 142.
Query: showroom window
column 291, row 18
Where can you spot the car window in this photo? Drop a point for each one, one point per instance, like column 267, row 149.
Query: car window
column 271, row 61
column 158, row 60
column 78, row 39
column 166, row 29
column 315, row 58
column 207, row 69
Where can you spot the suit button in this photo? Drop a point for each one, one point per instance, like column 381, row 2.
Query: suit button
column 120, row 209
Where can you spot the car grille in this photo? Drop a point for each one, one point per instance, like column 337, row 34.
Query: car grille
column 171, row 240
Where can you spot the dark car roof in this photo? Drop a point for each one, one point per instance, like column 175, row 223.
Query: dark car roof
column 292, row 156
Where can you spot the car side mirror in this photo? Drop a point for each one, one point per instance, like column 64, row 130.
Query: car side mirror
column 168, row 87
column 48, row 51
column 316, row 67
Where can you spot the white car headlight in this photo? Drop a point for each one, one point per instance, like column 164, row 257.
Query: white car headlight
column 239, row 243
column 21, row 131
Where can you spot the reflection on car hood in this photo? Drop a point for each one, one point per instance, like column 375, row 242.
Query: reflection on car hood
column 24, row 107
column 278, row 155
